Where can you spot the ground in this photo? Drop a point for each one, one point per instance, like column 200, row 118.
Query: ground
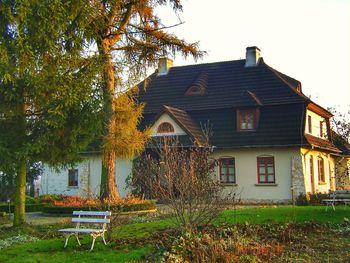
column 298, row 234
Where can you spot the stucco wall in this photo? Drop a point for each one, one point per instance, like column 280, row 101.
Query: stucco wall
column 329, row 169
column 315, row 120
column 89, row 172
column 246, row 173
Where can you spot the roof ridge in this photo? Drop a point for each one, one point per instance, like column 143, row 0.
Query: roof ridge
column 208, row 63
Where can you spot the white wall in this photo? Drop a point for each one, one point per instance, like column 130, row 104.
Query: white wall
column 56, row 182
column 246, row 173
column 329, row 169
column 315, row 121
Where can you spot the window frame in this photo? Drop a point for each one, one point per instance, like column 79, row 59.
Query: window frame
column 321, row 129
column 266, row 174
column 309, row 121
column 75, row 180
column 227, row 175
column 321, row 170
column 240, row 113
column 171, row 130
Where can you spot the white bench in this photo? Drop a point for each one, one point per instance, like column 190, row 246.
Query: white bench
column 91, row 219
column 337, row 196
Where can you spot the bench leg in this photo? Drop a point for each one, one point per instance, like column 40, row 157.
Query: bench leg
column 93, row 242
column 76, row 236
column 67, row 238
column 104, row 240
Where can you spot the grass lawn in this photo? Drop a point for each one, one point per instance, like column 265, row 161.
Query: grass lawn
column 50, row 246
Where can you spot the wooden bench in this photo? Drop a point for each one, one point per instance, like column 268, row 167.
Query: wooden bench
column 90, row 219
column 337, row 196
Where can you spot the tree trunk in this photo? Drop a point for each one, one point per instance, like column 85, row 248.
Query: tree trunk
column 19, row 215
column 109, row 187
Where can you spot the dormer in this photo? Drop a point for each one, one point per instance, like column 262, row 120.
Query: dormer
column 317, row 122
column 247, row 119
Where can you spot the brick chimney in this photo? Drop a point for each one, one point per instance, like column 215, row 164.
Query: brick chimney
column 164, row 65
column 252, row 57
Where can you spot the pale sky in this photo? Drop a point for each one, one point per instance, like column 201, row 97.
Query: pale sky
column 308, row 40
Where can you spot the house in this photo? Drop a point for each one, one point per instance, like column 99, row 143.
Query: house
column 272, row 141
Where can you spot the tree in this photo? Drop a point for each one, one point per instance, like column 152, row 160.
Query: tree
column 49, row 97
column 129, row 37
column 340, row 125
column 184, row 178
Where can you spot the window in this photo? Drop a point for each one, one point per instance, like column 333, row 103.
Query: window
column 309, row 121
column 312, row 173
column 266, row 169
column 227, row 170
column 321, row 129
column 321, row 176
column 246, row 120
column 73, row 177
column 165, row 127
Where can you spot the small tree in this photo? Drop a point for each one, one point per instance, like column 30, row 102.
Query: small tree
column 183, row 178
column 340, row 124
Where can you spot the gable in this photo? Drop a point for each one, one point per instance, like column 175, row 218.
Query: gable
column 165, row 118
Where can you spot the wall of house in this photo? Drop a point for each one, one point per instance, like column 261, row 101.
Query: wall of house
column 315, row 123
column 166, row 118
column 329, row 170
column 89, row 176
column 246, row 174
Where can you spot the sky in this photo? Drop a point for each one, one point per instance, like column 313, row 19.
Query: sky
column 308, row 40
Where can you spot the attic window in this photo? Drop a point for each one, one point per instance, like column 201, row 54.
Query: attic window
column 247, row 120
column 165, row 127
column 198, row 87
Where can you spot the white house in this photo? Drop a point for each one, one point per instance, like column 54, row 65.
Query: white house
column 273, row 142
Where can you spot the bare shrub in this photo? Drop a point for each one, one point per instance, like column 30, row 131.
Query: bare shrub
column 182, row 178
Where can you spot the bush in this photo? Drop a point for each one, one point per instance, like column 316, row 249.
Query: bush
column 122, row 207
column 310, row 199
column 29, row 208
column 49, row 198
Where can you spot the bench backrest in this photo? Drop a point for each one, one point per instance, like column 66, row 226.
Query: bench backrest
column 91, row 217
column 341, row 194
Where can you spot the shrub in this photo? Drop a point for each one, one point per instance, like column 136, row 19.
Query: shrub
column 49, row 198
column 72, row 203
column 310, row 199
column 29, row 208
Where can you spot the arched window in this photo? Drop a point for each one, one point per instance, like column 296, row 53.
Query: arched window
column 321, row 175
column 165, row 127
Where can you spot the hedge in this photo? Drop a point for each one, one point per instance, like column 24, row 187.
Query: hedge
column 29, row 208
column 121, row 208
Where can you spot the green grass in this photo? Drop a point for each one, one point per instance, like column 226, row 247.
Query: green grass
column 285, row 214
column 50, row 247
column 52, row 251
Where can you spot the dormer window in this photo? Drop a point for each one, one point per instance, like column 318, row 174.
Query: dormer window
column 247, row 120
column 165, row 127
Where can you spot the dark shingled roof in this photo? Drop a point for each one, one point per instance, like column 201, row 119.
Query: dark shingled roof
column 213, row 92
column 227, row 84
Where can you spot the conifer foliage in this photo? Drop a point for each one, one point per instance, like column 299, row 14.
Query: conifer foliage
column 48, row 92
column 129, row 37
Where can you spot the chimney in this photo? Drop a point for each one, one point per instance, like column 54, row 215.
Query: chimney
column 164, row 65
column 252, row 57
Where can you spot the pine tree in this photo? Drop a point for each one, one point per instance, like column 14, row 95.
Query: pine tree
column 130, row 37
column 49, row 97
